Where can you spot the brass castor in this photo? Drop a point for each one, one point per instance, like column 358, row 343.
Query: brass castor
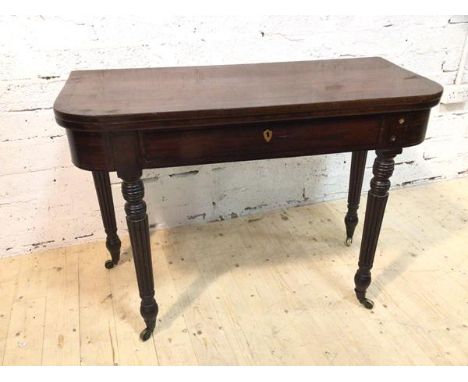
column 109, row 264
column 361, row 296
column 148, row 331
column 145, row 334
column 367, row 303
column 349, row 241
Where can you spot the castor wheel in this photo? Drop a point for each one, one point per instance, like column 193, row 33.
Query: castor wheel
column 150, row 325
column 361, row 296
column 146, row 334
column 349, row 241
column 368, row 304
column 109, row 264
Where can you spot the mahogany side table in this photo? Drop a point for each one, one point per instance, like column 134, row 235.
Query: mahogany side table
column 127, row 120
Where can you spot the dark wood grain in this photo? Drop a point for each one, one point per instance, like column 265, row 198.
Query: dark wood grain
column 168, row 148
column 106, row 205
column 356, row 176
column 214, row 95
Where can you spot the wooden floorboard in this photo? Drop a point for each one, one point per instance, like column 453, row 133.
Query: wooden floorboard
column 271, row 289
column 61, row 345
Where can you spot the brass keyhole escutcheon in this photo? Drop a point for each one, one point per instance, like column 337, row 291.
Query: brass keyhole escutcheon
column 267, row 134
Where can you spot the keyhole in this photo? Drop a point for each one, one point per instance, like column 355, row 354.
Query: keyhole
column 267, row 134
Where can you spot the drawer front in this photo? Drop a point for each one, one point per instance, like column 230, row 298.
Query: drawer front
column 269, row 140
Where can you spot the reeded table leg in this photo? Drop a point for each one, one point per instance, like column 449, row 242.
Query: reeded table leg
column 376, row 202
column 358, row 165
column 106, row 205
column 137, row 221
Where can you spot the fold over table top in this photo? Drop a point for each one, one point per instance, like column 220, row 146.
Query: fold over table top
column 122, row 99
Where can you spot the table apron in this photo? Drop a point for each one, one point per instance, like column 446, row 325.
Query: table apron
column 178, row 147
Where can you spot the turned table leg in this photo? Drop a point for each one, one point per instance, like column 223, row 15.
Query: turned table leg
column 376, row 202
column 137, row 221
column 106, row 205
column 358, row 165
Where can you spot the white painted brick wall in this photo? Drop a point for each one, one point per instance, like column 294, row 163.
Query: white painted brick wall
column 45, row 201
